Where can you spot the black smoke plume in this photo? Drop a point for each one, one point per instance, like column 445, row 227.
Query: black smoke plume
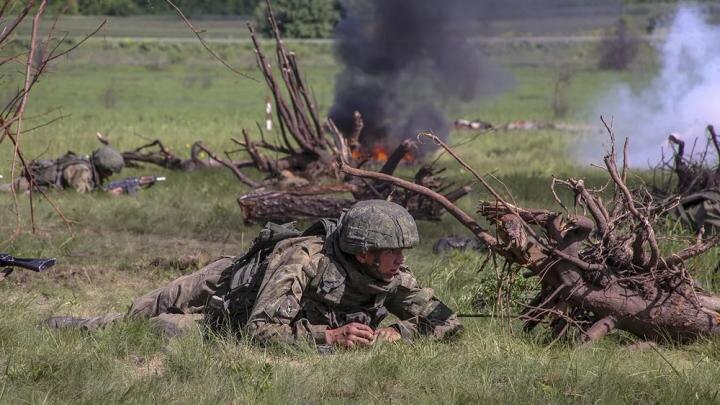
column 404, row 61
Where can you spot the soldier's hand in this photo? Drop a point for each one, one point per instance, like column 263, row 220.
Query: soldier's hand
column 350, row 335
column 388, row 334
column 115, row 191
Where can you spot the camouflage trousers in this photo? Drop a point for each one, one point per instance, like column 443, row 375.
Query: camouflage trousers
column 175, row 307
column 20, row 185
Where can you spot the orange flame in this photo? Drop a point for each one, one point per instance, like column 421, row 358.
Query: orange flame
column 379, row 153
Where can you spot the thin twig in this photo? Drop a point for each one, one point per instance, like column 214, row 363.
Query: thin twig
column 205, row 45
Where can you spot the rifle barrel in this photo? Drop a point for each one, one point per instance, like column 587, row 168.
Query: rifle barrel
column 38, row 265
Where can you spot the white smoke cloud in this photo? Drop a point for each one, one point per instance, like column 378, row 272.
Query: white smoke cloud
column 683, row 98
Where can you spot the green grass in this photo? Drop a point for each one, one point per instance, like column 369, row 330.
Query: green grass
column 120, row 247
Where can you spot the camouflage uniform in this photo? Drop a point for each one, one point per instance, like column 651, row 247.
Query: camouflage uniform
column 305, row 286
column 81, row 173
column 310, row 286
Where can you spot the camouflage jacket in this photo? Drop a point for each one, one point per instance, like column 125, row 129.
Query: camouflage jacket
column 310, row 286
column 70, row 170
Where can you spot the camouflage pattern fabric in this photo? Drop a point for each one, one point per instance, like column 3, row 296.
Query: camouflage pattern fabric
column 310, row 286
column 305, row 290
column 79, row 177
column 305, row 285
column 185, row 297
column 377, row 224
column 68, row 171
column 109, row 159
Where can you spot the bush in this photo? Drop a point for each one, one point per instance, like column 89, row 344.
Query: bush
column 300, row 18
column 108, row 7
column 130, row 7
column 619, row 46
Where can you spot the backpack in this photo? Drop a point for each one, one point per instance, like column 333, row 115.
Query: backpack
column 44, row 171
column 239, row 284
column 48, row 172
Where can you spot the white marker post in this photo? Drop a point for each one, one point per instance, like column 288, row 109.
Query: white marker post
column 268, row 114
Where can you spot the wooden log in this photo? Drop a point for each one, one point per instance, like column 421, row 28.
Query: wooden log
column 261, row 206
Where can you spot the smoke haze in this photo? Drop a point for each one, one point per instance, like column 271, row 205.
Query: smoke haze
column 403, row 62
column 683, row 97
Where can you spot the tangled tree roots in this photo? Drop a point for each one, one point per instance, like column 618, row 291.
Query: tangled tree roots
column 599, row 272
column 300, row 162
column 691, row 175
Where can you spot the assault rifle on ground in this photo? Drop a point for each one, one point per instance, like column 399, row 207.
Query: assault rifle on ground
column 9, row 262
column 131, row 185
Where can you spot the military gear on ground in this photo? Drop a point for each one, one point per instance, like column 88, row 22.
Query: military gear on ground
column 377, row 224
column 701, row 210
column 108, row 159
column 69, row 170
column 290, row 287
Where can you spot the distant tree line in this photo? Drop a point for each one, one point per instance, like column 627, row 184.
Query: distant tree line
column 138, row 7
column 296, row 18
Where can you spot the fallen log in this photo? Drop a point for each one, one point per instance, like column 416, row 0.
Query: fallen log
column 260, row 205
column 597, row 273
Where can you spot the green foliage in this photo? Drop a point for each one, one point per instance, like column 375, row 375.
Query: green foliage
column 108, row 7
column 300, row 18
column 136, row 7
column 194, row 7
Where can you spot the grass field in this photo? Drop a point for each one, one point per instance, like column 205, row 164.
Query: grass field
column 133, row 91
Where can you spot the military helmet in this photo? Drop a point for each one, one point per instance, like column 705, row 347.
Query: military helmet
column 108, row 159
column 377, row 224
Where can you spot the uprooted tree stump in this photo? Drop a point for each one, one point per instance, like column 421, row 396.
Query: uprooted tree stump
column 293, row 200
column 691, row 175
column 303, row 181
column 597, row 273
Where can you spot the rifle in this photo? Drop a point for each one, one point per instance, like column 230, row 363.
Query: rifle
column 36, row 265
column 131, row 185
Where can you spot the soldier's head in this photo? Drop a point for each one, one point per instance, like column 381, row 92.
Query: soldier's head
column 375, row 232
column 107, row 161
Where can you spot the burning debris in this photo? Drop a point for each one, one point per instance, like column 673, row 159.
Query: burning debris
column 306, row 152
column 597, row 273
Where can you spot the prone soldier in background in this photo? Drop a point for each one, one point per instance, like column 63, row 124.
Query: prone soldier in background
column 332, row 284
column 82, row 173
